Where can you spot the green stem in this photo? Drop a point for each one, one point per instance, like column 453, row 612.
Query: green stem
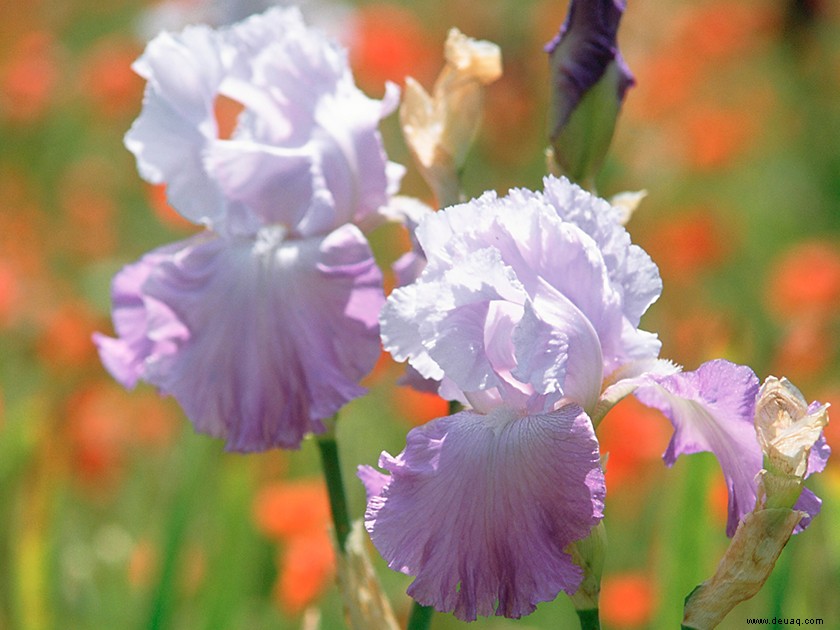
column 328, row 447
column 420, row 618
column 589, row 619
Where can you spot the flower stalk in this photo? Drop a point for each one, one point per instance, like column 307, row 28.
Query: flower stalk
column 328, row 448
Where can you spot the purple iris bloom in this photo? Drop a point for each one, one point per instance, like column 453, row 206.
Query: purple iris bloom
column 528, row 312
column 262, row 325
column 525, row 304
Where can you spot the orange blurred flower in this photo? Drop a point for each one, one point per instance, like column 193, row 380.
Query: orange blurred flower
column 142, row 564
column 832, row 429
column 721, row 30
column 687, row 244
column 671, row 77
column 634, row 436
column 292, row 508
column 627, row 600
column 22, row 223
column 28, row 78
column 716, row 135
column 806, row 281
column 104, row 421
column 165, row 213
column 682, row 335
column 9, row 293
column 297, row 514
column 306, row 568
column 385, row 366
column 226, row 111
column 806, row 349
column 420, row 407
column 389, row 43
column 65, row 340
column 718, row 499
column 664, row 83
column 107, row 79
column 98, row 433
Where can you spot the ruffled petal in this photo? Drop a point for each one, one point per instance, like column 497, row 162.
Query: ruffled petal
column 306, row 151
column 265, row 338
column 134, row 314
column 630, row 268
column 480, row 509
column 555, row 246
column 712, row 409
column 183, row 72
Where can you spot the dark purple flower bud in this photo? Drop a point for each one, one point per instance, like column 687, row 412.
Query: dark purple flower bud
column 589, row 80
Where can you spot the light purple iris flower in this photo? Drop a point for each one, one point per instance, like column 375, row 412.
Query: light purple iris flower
column 524, row 306
column 528, row 312
column 262, row 325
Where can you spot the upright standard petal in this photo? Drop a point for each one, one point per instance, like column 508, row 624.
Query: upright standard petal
column 712, row 409
column 258, row 340
column 518, row 298
column 306, row 152
column 183, row 72
column 480, row 509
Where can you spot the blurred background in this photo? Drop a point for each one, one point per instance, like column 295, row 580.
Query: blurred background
column 113, row 513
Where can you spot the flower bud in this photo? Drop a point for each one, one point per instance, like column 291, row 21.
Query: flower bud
column 787, row 427
column 589, row 80
column 440, row 128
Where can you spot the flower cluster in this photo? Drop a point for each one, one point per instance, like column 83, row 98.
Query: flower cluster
column 525, row 308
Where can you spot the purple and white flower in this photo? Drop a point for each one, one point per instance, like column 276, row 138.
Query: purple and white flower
column 262, row 325
column 526, row 303
column 528, row 312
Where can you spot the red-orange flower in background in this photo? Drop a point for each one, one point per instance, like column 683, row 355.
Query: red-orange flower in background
column 107, row 79
column 388, row 43
column 665, row 83
column 832, row 430
column 716, row 135
column 717, row 499
column 297, row 514
column 28, row 78
column 627, row 600
column 687, row 244
column 164, row 212
column 65, row 340
column 104, row 422
column 419, row 407
column 806, row 281
column 98, row 433
column 806, row 349
column 634, row 436
column 10, row 293
column 721, row 30
column 672, row 75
